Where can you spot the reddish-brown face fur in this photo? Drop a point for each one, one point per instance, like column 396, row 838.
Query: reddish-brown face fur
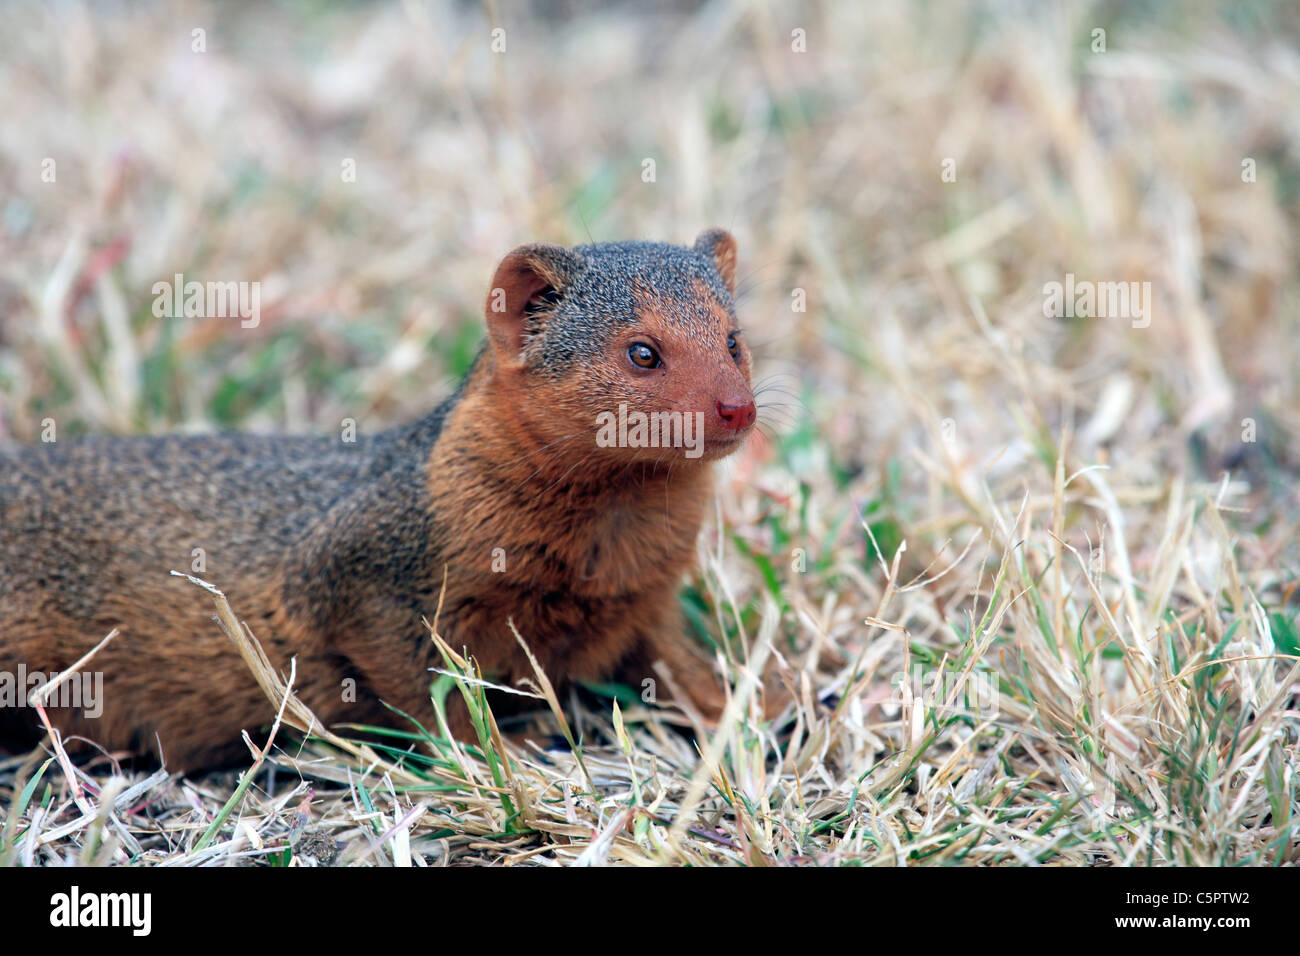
column 703, row 367
column 700, row 372
column 697, row 375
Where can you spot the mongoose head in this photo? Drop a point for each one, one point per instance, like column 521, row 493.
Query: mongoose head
column 632, row 348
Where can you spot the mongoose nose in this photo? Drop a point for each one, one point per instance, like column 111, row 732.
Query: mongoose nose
column 737, row 417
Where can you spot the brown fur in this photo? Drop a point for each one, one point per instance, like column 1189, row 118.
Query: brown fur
column 335, row 552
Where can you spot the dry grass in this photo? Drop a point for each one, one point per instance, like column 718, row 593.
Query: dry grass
column 1060, row 526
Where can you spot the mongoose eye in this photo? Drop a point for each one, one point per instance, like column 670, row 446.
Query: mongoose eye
column 643, row 356
column 732, row 345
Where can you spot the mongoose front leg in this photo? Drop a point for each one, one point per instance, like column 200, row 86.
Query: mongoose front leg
column 677, row 670
column 691, row 675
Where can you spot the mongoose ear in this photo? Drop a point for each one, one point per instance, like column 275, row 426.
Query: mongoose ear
column 720, row 246
column 528, row 284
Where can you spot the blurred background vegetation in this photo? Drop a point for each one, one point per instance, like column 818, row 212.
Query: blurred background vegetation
column 227, row 164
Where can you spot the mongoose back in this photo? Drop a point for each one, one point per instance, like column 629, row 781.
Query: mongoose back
column 536, row 491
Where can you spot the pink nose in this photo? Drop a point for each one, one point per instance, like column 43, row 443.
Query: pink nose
column 737, row 417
